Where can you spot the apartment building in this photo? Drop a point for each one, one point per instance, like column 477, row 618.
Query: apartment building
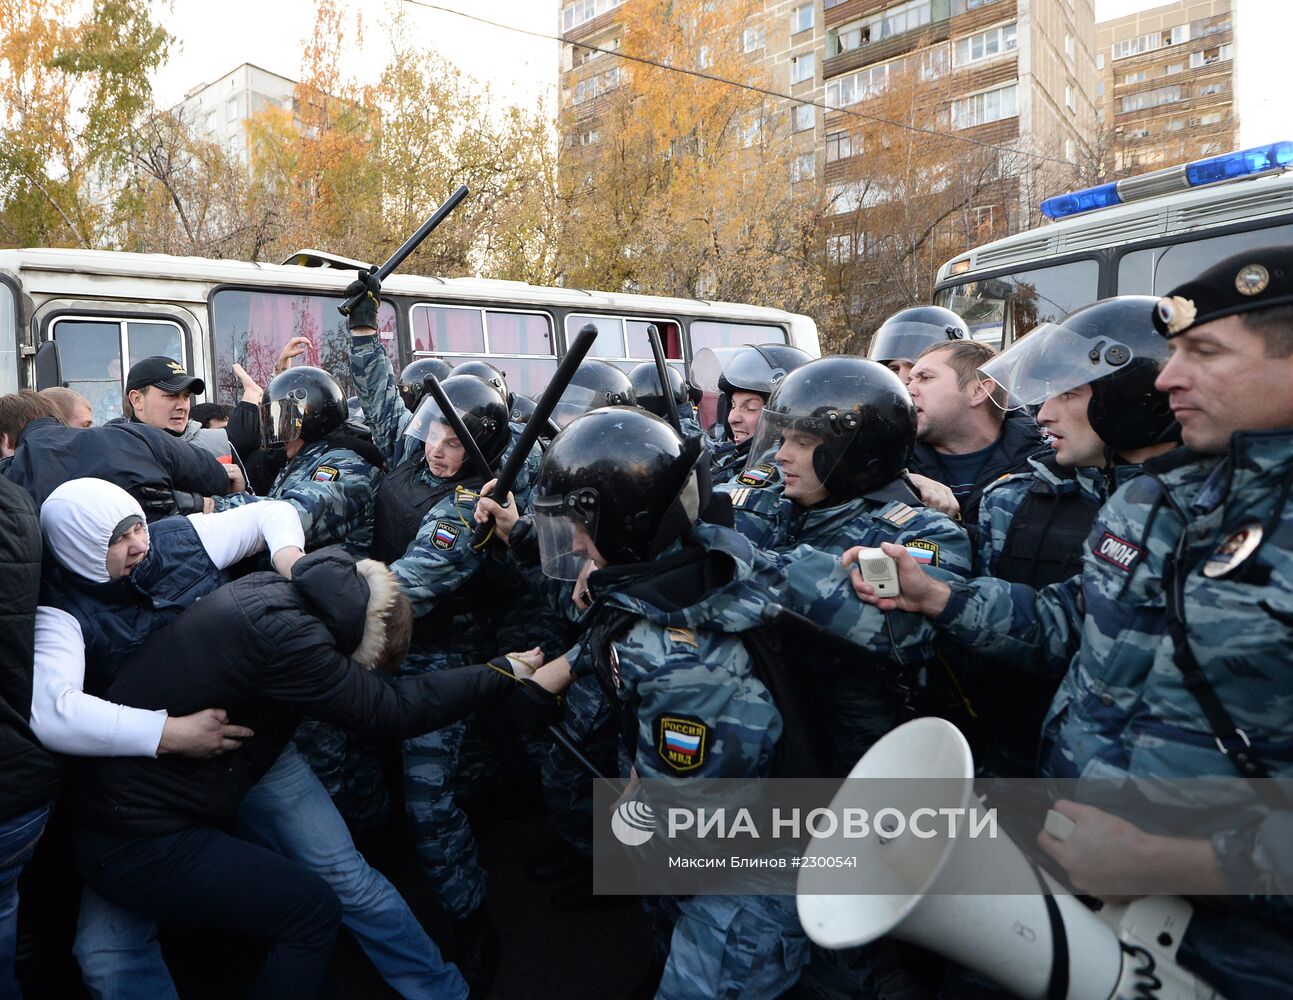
column 1015, row 72
column 219, row 110
column 1167, row 84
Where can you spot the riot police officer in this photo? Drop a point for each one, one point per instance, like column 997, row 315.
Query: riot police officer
column 594, row 384
column 742, row 378
column 413, row 379
column 646, row 387
column 903, row 336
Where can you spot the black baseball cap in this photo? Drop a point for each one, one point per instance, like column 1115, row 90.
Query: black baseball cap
column 165, row 373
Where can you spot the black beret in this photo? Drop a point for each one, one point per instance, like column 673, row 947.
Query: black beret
column 1254, row 279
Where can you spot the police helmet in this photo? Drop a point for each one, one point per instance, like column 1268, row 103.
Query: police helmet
column 760, row 368
column 413, row 379
column 646, row 387
column 302, row 402
column 860, row 412
column 621, row 478
column 488, row 373
column 905, row 334
column 480, row 408
column 1111, row 345
column 595, row 384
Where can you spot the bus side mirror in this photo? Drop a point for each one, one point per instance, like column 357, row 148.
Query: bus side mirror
column 49, row 366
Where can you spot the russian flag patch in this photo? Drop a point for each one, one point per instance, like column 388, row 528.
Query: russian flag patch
column 681, row 741
column 445, row 534
column 925, row 553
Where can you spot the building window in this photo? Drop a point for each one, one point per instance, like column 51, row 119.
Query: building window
column 1142, row 132
column 1099, row 60
column 839, row 248
column 984, row 218
column 1070, row 47
column 803, row 168
column 752, row 133
column 1207, row 57
column 1209, row 89
column 839, row 146
column 1151, row 98
column 805, row 117
column 985, row 45
column 753, row 39
column 231, row 109
column 802, row 19
column 803, row 67
column 846, row 197
column 703, row 58
column 1212, row 119
column 1175, row 125
column 1070, row 150
column 1173, row 68
column 1137, row 77
column 990, row 106
column 580, row 12
column 895, row 20
column 1099, row 88
column 1070, row 100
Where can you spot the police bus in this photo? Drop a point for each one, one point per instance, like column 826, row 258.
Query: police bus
column 83, row 317
column 1139, row 236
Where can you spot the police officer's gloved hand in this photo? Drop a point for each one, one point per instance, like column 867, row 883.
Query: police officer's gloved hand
column 188, row 503
column 529, row 707
column 156, row 501
column 363, row 315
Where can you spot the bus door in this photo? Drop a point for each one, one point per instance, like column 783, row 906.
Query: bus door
column 96, row 352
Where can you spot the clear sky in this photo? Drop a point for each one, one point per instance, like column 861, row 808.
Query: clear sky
column 214, row 37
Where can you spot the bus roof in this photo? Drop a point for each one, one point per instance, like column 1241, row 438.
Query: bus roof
column 1188, row 211
column 165, row 269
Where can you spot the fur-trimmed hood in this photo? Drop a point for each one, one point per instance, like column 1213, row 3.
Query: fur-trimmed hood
column 351, row 598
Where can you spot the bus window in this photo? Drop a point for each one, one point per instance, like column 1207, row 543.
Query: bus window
column 525, row 376
column 1157, row 270
column 640, row 346
column 610, row 334
column 8, row 341
column 518, row 333
column 1016, row 303
column 91, row 349
column 251, row 327
column 447, row 329
column 705, row 333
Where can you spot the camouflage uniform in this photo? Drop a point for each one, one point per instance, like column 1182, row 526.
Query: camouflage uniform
column 1122, row 709
column 437, row 572
column 861, row 706
column 726, row 461
column 699, row 683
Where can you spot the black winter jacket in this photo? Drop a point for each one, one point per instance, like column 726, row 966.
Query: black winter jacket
column 267, row 650
column 132, row 455
column 1020, row 438
column 29, row 776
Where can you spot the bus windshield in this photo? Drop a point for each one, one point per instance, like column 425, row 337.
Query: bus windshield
column 1015, row 303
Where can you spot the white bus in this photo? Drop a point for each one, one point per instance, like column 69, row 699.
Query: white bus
column 106, row 310
column 1139, row 236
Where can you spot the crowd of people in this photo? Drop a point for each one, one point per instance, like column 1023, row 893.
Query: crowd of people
column 223, row 624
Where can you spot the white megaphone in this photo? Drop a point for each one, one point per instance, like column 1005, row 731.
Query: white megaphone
column 1029, row 944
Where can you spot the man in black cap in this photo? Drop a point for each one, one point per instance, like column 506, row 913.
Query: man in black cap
column 159, row 392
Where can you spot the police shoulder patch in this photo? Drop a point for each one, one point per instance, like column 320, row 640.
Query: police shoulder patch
column 1117, row 551
column 924, row 552
column 445, row 534
column 326, row 474
column 683, row 636
column 898, row 514
column 757, row 475
column 681, row 741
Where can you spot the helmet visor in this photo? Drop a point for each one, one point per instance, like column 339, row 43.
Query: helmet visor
column 904, row 341
column 1053, row 359
column 566, row 527
column 575, row 401
column 804, row 449
column 282, row 419
column 412, row 393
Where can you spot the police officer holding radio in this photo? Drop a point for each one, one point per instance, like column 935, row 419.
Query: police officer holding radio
column 1175, row 636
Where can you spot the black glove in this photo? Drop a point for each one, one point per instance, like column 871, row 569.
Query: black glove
column 157, row 501
column 363, row 315
column 530, row 708
column 188, row 503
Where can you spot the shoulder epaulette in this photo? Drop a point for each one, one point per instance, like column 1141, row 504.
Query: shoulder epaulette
column 683, row 636
column 898, row 514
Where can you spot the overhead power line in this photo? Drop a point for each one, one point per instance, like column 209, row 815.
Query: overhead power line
column 767, row 92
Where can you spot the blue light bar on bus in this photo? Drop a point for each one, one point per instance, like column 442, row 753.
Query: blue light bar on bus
column 1213, row 170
